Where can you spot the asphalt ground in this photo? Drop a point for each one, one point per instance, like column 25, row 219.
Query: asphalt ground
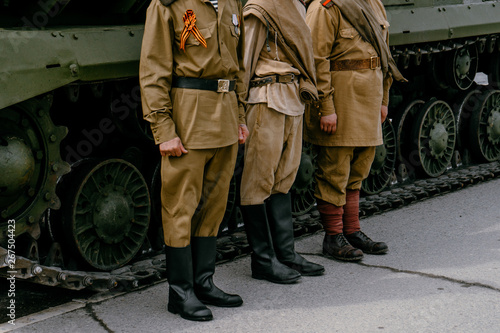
column 442, row 274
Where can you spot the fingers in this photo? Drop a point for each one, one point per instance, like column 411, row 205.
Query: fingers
column 328, row 127
column 172, row 148
column 242, row 134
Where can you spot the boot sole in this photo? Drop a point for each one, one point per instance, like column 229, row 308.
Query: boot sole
column 377, row 252
column 263, row 277
column 173, row 310
column 342, row 258
column 222, row 305
column 315, row 273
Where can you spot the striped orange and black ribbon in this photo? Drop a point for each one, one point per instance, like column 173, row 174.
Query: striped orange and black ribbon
column 191, row 28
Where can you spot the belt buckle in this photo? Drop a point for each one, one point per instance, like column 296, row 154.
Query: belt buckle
column 222, row 85
column 373, row 63
column 286, row 78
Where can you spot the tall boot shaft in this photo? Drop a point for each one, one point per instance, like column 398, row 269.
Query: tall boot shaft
column 279, row 213
column 265, row 265
column 351, row 212
column 181, row 296
column 204, row 252
column 331, row 217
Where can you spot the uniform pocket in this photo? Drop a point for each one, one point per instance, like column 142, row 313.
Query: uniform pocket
column 349, row 33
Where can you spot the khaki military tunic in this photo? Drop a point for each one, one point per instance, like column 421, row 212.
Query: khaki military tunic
column 195, row 185
column 201, row 118
column 355, row 95
column 274, row 116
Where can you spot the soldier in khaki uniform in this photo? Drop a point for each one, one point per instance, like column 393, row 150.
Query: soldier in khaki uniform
column 191, row 76
column 279, row 67
column 354, row 72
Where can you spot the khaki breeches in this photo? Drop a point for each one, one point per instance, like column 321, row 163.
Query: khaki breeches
column 341, row 168
column 194, row 192
column 272, row 153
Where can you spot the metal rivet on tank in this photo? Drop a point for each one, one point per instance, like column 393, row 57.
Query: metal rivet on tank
column 131, row 33
column 61, row 34
column 53, row 138
column 47, row 196
column 54, row 34
column 75, row 36
column 55, row 168
column 31, row 192
column 40, row 113
column 36, row 270
column 25, row 122
column 87, row 281
column 31, row 219
column 62, row 276
column 74, row 69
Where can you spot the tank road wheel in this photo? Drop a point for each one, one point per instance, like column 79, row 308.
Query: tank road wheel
column 303, row 188
column 434, row 138
column 403, row 122
column 106, row 217
column 383, row 165
column 463, row 111
column 484, row 127
column 461, row 67
column 494, row 67
column 30, row 164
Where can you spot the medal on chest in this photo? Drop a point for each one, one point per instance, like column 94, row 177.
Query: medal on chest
column 236, row 24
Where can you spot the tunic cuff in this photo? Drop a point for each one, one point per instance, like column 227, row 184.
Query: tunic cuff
column 326, row 107
column 164, row 132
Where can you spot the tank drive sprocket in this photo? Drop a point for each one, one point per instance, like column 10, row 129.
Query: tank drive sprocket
column 30, row 164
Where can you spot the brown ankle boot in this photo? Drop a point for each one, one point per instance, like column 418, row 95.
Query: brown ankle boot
column 363, row 242
column 336, row 246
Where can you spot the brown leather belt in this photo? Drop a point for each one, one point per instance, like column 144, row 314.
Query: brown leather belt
column 354, row 64
column 273, row 79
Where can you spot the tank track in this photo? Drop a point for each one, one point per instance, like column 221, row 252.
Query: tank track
column 150, row 266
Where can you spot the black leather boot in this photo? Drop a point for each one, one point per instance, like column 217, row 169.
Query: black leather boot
column 279, row 213
column 364, row 243
column 265, row 265
column 204, row 251
column 336, row 246
column 181, row 296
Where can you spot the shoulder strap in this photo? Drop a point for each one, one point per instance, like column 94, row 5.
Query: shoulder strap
column 325, row 3
column 167, row 2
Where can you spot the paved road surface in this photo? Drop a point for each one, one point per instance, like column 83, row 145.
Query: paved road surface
column 442, row 274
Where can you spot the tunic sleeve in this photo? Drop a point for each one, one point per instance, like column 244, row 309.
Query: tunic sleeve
column 323, row 31
column 254, row 41
column 241, row 84
column 387, row 83
column 155, row 73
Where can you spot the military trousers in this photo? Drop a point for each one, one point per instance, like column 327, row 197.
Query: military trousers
column 195, row 188
column 341, row 169
column 272, row 153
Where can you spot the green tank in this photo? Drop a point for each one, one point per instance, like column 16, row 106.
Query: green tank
column 78, row 168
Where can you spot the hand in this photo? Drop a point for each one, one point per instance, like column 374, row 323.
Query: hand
column 172, row 147
column 383, row 113
column 328, row 123
column 242, row 133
